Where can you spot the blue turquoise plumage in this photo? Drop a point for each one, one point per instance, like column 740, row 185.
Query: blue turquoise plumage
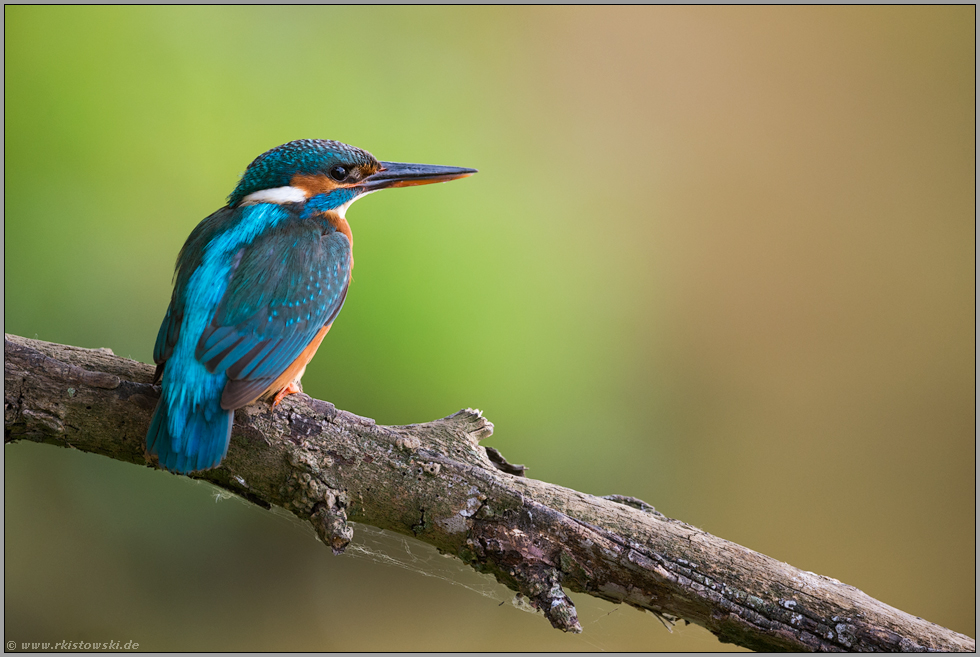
column 258, row 283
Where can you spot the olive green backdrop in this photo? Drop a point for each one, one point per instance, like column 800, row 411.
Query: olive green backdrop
column 720, row 259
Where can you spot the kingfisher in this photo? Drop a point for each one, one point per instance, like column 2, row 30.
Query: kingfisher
column 257, row 286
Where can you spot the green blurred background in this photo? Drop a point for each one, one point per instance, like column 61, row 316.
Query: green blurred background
column 720, row 259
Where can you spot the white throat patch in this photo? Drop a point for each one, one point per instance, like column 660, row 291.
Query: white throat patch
column 342, row 210
column 278, row 195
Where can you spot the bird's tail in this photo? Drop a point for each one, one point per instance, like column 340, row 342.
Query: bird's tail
column 202, row 442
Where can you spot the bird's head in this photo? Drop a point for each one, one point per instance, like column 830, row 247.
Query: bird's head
column 328, row 175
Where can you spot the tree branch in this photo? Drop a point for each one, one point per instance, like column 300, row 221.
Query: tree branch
column 435, row 482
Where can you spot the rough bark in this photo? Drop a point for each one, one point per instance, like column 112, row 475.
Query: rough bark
column 434, row 481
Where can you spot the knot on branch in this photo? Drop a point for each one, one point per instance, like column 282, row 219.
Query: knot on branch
column 471, row 421
column 557, row 606
column 330, row 523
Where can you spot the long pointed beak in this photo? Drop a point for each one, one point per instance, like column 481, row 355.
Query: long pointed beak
column 399, row 174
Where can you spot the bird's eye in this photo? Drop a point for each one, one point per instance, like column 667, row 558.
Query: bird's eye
column 338, row 173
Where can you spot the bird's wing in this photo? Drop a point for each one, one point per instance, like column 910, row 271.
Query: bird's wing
column 288, row 284
column 187, row 262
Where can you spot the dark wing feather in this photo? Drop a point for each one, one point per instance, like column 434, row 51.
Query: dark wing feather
column 288, row 284
column 166, row 339
column 187, row 261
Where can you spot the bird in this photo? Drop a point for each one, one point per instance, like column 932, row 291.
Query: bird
column 257, row 285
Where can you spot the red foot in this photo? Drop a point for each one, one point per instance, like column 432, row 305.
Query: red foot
column 291, row 389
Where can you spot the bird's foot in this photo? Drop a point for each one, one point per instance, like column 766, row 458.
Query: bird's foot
column 291, row 389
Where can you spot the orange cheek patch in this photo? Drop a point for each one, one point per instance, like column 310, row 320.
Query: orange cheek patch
column 314, row 184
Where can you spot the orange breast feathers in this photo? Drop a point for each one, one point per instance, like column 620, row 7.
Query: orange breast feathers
column 341, row 226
